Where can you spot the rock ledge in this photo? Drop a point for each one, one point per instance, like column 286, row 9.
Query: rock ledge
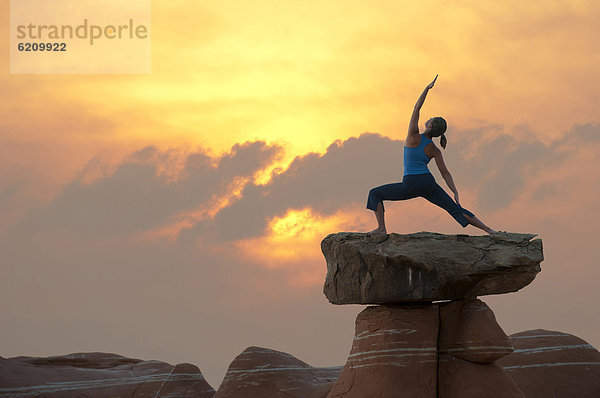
column 426, row 266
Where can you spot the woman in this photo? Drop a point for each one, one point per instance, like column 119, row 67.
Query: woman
column 417, row 180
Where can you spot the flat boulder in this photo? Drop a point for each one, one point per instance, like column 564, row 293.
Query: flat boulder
column 262, row 372
column 426, row 266
column 99, row 375
column 553, row 364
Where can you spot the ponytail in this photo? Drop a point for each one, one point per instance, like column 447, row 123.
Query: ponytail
column 438, row 129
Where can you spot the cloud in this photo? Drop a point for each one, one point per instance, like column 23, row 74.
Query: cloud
column 545, row 191
column 508, row 164
column 581, row 134
column 135, row 197
column 497, row 170
column 326, row 183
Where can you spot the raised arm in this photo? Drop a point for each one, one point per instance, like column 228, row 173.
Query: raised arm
column 413, row 126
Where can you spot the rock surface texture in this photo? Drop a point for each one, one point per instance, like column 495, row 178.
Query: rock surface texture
column 425, row 266
column 469, row 331
column 553, row 364
column 394, row 354
column 99, row 375
column 470, row 340
column 409, row 345
column 464, row 379
column 262, row 372
column 427, row 350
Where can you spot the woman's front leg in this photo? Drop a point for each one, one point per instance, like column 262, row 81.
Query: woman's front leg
column 380, row 217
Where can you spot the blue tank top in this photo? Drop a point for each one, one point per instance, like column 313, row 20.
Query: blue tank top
column 415, row 159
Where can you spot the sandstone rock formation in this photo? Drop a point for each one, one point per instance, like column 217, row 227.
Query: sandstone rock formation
column 427, row 350
column 410, row 346
column 470, row 340
column 553, row 364
column 379, row 269
column 463, row 379
column 99, row 375
column 261, row 372
column 469, row 331
column 394, row 354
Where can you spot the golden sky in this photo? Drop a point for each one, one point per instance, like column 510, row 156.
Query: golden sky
column 517, row 83
column 306, row 75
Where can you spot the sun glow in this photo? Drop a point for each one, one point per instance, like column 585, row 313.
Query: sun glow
column 292, row 242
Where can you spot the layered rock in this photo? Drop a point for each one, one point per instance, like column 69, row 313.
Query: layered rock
column 553, row 364
column 463, row 379
column 379, row 269
column 410, row 346
column 262, row 372
column 394, row 353
column 469, row 331
column 99, row 375
column 470, row 340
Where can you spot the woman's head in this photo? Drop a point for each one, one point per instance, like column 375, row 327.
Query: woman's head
column 436, row 127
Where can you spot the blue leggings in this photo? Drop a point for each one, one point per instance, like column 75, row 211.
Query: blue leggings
column 414, row 185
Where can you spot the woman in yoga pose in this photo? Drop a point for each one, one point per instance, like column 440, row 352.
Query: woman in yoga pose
column 417, row 180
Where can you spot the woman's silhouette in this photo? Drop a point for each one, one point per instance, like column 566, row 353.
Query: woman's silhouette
column 417, row 180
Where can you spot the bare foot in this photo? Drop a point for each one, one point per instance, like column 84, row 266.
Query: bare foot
column 377, row 231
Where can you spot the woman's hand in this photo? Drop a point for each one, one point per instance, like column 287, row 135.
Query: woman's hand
column 430, row 85
column 413, row 126
column 456, row 198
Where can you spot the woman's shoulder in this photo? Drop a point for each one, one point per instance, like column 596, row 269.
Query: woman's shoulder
column 413, row 141
column 431, row 150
